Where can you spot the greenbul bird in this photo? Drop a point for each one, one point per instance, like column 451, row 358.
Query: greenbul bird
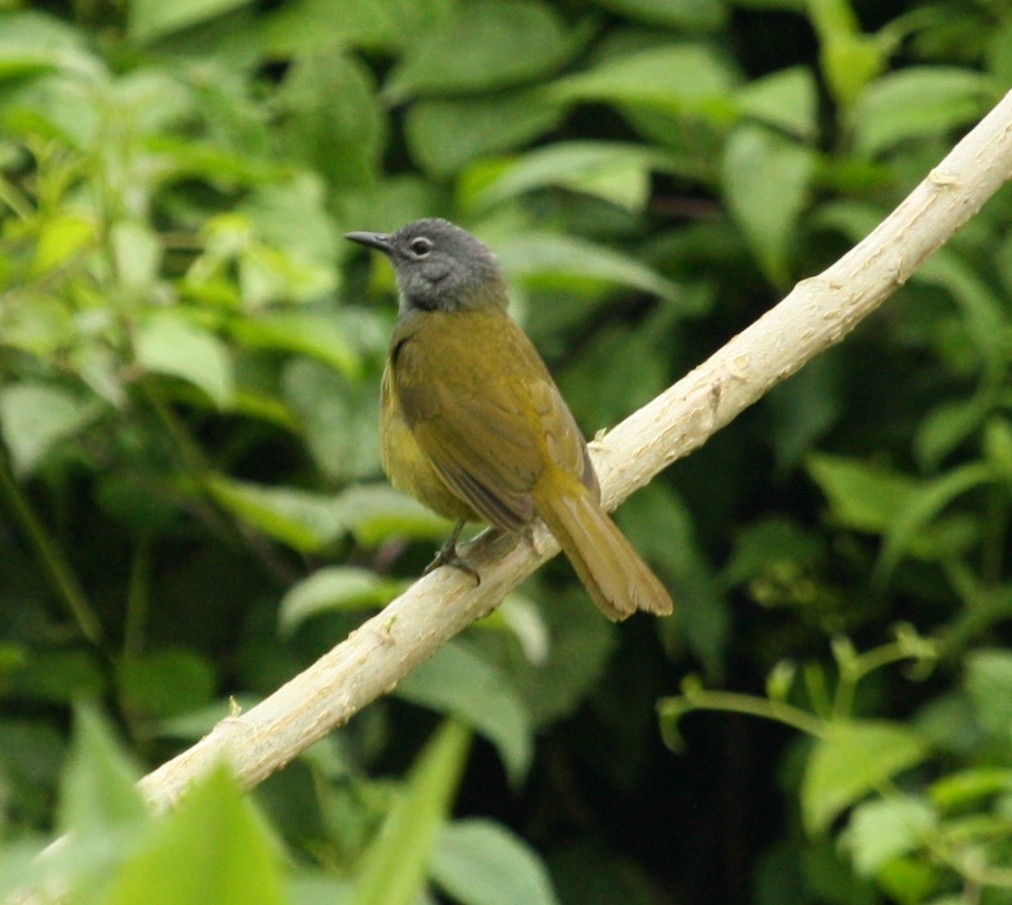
column 473, row 425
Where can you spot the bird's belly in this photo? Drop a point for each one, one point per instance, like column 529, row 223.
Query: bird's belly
column 409, row 468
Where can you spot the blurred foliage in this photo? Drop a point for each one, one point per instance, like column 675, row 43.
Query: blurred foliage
column 192, row 507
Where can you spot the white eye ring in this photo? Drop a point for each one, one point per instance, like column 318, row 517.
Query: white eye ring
column 420, row 247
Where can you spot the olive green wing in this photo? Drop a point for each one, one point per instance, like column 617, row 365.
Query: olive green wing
column 488, row 421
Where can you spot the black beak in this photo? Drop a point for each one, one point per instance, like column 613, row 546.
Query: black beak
column 372, row 240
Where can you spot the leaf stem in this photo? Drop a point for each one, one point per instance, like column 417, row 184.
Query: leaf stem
column 60, row 573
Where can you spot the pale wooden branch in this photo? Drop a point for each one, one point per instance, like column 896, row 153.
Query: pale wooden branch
column 819, row 312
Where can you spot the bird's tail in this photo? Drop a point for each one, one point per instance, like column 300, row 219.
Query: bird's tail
column 611, row 570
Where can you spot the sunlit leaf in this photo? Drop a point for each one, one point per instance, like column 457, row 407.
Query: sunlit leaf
column 688, row 15
column 882, row 830
column 36, row 416
column 304, row 521
column 458, row 681
column 483, row 863
column 916, row 101
column 851, row 760
column 766, row 182
column 546, row 257
column 169, row 344
column 394, row 867
column 333, row 589
column 149, row 19
column 215, row 833
column 681, row 79
column 486, row 45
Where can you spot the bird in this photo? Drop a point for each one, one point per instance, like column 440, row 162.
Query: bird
column 473, row 425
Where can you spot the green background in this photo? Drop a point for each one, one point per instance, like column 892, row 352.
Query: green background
column 192, row 510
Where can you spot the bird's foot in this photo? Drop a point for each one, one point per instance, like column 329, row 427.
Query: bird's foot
column 448, row 556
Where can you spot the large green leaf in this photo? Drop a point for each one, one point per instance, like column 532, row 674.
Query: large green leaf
column 917, row 101
column 616, row 172
column 395, row 866
column 169, row 344
column 850, row 760
column 304, row 521
column 32, row 42
column 485, row 45
column 861, row 496
column 99, row 783
column 334, row 589
column 445, row 134
column 682, row 79
column 989, row 685
column 459, row 681
column 483, row 863
column 578, row 265
column 766, row 179
column 212, row 848
column 334, row 122
column 36, row 416
column 151, row 19
column 687, row 15
column 882, row 830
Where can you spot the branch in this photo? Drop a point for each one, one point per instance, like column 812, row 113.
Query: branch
column 818, row 313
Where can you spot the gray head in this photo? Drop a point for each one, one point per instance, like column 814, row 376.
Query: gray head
column 439, row 266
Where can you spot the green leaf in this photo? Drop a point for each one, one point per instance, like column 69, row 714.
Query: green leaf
column 946, row 426
column 766, row 179
column 340, row 418
column 851, row 760
column 580, row 645
column 684, row 79
column 316, row 335
column 773, row 544
column 395, row 865
column 309, row 26
column 907, row 530
column 212, row 848
column 334, row 589
column 998, row 446
column 787, row 99
column 443, row 135
column 482, row 863
column 616, row 172
column 36, row 416
column 137, row 254
column 165, row 683
column 295, row 257
column 989, row 684
column 684, row 15
column 305, row 521
column 458, row 681
column 32, row 42
column 966, row 787
column 334, row 123
column 850, row 62
column 918, row 101
column 880, row 831
column 151, row 19
column 61, row 237
column 486, row 45
column 99, row 782
column 578, row 265
column 376, row 512
column 862, row 497
column 170, row 344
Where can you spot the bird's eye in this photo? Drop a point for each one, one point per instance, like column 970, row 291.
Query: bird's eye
column 420, row 247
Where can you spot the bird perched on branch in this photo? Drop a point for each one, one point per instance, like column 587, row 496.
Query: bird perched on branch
column 473, row 425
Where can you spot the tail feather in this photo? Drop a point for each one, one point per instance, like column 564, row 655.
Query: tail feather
column 612, row 571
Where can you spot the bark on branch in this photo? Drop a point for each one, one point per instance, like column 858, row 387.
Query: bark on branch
column 819, row 312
